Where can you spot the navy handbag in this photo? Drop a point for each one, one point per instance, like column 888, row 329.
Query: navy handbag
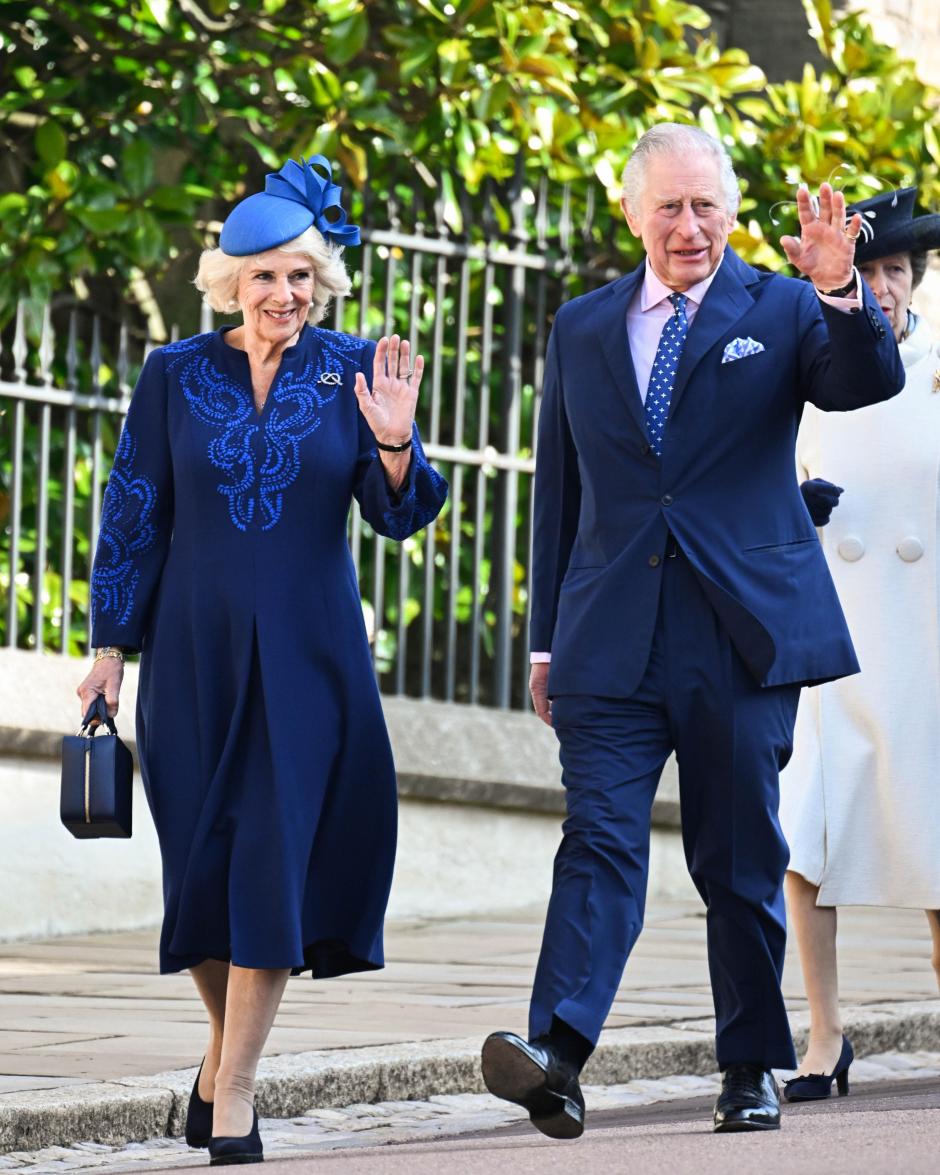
column 97, row 778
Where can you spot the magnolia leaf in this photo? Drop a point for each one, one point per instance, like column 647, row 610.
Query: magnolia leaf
column 103, row 221
column 343, row 40
column 159, row 10
column 137, row 166
column 353, row 160
column 51, row 143
column 735, row 77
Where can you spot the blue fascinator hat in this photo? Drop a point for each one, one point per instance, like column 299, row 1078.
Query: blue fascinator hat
column 294, row 199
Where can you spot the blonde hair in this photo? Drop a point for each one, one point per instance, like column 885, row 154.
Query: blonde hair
column 218, row 274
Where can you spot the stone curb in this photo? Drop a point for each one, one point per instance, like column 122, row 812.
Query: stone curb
column 138, row 1108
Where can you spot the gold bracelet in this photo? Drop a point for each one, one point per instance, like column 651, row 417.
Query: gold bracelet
column 109, row 651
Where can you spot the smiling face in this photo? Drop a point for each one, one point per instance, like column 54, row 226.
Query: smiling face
column 892, row 282
column 274, row 294
column 681, row 217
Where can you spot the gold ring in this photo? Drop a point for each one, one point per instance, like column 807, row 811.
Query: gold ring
column 851, row 236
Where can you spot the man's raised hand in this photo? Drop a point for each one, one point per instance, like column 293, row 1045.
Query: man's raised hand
column 825, row 248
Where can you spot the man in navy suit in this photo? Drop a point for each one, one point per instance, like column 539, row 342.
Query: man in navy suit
column 680, row 601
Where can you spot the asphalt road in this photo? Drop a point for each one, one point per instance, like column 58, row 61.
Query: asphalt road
column 879, row 1129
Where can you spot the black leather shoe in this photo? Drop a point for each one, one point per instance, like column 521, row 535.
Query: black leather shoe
column 812, row 1087
column 531, row 1074
column 198, row 1116
column 748, row 1100
column 224, row 1151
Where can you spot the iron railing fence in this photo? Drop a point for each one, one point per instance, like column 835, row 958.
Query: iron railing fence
column 451, row 605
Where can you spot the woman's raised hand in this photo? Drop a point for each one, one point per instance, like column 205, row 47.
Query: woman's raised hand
column 389, row 408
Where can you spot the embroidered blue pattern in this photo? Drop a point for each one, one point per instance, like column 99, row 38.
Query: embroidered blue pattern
column 255, row 484
column 127, row 532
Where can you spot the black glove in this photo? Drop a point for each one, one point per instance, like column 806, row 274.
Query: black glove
column 821, row 498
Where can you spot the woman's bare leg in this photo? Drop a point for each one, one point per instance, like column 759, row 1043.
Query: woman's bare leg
column 933, row 917
column 815, row 928
column 211, row 979
column 251, row 1004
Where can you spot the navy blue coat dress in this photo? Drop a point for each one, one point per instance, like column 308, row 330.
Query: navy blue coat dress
column 223, row 558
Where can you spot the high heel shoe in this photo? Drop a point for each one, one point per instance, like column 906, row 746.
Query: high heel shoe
column 813, row 1087
column 247, row 1149
column 198, row 1116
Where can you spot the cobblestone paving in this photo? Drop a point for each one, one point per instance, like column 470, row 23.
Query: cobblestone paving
column 396, row 1122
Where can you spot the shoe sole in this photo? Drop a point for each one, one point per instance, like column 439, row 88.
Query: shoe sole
column 231, row 1160
column 741, row 1127
column 511, row 1075
column 806, row 1097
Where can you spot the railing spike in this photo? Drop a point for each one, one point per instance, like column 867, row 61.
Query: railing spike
column 541, row 214
column 123, row 363
column 20, row 349
column 46, row 347
column 96, row 355
column 71, row 352
column 564, row 222
column 588, row 214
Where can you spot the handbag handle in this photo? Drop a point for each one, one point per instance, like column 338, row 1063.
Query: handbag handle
column 98, row 709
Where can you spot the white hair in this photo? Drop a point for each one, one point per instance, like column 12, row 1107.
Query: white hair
column 675, row 138
column 218, row 274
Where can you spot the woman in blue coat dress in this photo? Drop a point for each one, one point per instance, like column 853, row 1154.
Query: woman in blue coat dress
column 223, row 560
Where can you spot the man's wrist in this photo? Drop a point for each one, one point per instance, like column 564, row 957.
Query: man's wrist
column 844, row 291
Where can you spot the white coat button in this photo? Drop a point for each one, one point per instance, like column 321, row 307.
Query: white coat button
column 910, row 549
column 851, row 548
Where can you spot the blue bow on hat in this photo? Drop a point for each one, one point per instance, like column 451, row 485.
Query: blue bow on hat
column 293, row 199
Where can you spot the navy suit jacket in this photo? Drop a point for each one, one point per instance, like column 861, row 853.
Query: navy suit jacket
column 726, row 486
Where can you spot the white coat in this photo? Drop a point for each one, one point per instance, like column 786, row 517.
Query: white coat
column 860, row 798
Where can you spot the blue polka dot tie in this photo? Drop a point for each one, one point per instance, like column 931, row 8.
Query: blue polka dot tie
column 663, row 375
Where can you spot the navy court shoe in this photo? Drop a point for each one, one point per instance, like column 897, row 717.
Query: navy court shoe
column 198, row 1116
column 813, row 1087
column 224, row 1151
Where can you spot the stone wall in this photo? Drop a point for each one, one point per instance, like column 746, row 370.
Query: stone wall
column 479, row 818
column 912, row 26
column 775, row 33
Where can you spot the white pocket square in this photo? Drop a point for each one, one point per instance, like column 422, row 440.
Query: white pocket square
column 740, row 349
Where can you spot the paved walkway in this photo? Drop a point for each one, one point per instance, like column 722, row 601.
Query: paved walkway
column 87, row 1009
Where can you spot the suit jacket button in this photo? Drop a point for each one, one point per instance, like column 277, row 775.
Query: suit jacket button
column 654, row 560
column 666, row 499
column 851, row 548
column 910, row 549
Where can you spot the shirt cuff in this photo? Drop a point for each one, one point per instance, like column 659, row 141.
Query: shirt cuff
column 847, row 305
column 539, row 658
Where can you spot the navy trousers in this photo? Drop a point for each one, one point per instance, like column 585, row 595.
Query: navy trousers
column 731, row 739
